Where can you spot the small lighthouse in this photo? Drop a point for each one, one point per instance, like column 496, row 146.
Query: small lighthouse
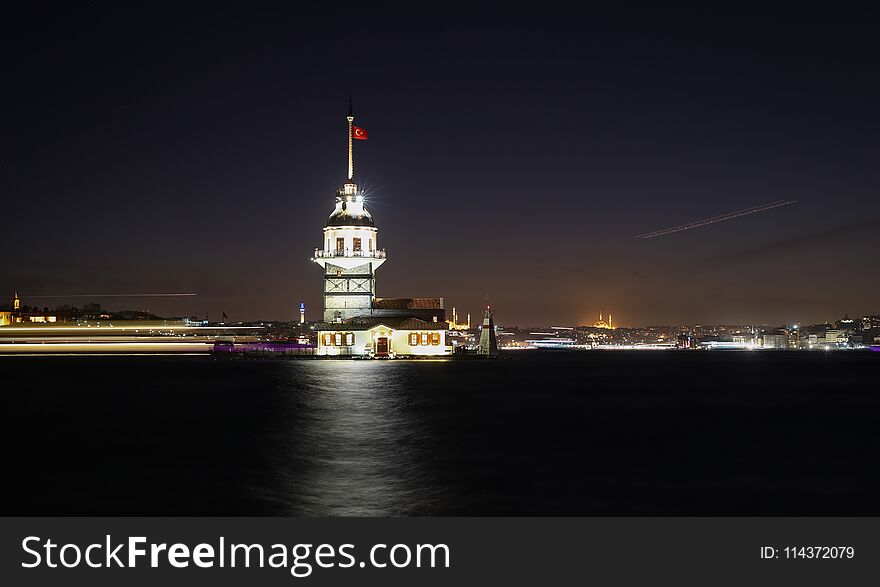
column 488, row 341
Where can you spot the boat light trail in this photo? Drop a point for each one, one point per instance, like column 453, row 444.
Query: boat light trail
column 714, row 219
column 123, row 295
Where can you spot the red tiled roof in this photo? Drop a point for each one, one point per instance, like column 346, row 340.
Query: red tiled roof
column 407, row 304
column 392, row 323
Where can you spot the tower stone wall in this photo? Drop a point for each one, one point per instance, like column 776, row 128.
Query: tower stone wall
column 348, row 293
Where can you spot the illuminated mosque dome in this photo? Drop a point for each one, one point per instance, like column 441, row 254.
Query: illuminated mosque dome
column 602, row 324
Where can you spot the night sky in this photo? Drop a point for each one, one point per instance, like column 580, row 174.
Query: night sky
column 510, row 158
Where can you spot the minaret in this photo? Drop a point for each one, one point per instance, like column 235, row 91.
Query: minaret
column 488, row 342
column 350, row 254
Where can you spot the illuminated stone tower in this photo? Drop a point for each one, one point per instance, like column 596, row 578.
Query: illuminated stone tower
column 16, row 302
column 350, row 254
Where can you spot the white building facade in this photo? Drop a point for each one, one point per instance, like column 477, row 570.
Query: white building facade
column 384, row 339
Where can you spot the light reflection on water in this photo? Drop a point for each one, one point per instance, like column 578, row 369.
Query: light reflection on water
column 354, row 442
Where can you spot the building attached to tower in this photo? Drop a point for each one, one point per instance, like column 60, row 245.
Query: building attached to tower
column 355, row 321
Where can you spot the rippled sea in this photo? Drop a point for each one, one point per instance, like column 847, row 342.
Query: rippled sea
column 554, row 433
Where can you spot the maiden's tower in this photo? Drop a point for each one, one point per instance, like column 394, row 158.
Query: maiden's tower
column 355, row 321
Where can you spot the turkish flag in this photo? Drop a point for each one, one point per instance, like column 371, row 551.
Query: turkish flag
column 358, row 133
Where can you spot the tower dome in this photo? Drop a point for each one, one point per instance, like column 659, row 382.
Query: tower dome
column 350, row 209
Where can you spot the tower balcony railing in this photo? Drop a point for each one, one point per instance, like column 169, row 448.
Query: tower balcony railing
column 348, row 253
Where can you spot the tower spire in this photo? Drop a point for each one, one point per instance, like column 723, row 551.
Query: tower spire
column 350, row 119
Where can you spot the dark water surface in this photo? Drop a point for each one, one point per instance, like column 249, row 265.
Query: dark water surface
column 542, row 433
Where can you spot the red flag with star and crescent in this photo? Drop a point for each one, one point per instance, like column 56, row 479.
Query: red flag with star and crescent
column 358, row 133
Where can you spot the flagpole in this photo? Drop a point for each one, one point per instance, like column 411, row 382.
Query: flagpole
column 350, row 157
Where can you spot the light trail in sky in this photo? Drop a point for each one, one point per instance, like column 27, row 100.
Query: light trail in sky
column 714, row 219
column 124, row 295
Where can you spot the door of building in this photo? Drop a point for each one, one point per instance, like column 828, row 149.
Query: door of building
column 382, row 346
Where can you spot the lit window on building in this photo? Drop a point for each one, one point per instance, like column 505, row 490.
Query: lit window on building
column 356, row 244
column 338, row 339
